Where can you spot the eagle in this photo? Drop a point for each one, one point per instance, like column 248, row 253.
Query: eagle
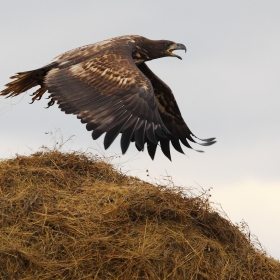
column 110, row 88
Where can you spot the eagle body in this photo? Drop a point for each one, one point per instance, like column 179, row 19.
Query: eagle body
column 111, row 89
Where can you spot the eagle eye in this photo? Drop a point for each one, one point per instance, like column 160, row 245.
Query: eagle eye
column 167, row 45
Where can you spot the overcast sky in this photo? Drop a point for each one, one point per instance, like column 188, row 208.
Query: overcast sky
column 227, row 86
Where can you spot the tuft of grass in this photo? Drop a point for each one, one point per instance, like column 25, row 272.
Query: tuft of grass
column 73, row 216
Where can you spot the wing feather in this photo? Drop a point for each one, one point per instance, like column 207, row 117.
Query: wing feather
column 104, row 120
column 171, row 115
column 113, row 133
column 150, row 133
column 108, row 93
column 152, row 149
column 177, row 146
column 127, row 134
column 140, row 135
column 97, row 133
column 165, row 147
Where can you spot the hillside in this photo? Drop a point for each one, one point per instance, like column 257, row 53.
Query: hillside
column 73, row 216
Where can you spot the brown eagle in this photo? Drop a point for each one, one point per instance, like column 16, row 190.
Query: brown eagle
column 110, row 88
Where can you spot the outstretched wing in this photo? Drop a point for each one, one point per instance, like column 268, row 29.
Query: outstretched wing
column 108, row 93
column 171, row 116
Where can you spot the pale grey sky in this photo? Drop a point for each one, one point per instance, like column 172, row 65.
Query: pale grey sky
column 227, row 86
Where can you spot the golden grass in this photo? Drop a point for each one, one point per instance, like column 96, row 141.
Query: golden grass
column 73, row 216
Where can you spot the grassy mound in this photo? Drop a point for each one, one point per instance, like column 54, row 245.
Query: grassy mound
column 72, row 216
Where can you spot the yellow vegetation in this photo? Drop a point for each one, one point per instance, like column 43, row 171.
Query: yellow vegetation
column 73, row 216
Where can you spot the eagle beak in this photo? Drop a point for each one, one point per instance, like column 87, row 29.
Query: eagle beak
column 174, row 47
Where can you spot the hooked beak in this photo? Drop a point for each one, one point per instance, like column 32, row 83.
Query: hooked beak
column 174, row 47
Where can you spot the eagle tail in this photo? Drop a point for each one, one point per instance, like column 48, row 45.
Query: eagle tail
column 24, row 81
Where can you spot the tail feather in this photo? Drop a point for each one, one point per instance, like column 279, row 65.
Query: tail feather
column 24, row 81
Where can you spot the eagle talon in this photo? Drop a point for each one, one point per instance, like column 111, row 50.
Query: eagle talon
column 50, row 103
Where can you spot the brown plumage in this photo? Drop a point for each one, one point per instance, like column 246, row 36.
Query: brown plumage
column 111, row 89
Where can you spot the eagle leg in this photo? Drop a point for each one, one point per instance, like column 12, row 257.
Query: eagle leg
column 37, row 95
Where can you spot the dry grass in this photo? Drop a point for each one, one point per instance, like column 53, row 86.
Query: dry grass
column 72, row 216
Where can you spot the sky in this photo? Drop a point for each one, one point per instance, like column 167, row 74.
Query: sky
column 227, row 86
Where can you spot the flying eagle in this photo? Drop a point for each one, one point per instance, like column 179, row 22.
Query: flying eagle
column 110, row 88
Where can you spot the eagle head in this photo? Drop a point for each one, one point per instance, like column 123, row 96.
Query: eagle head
column 168, row 47
column 152, row 49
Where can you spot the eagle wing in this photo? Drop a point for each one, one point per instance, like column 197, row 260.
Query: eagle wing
column 107, row 91
column 171, row 117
